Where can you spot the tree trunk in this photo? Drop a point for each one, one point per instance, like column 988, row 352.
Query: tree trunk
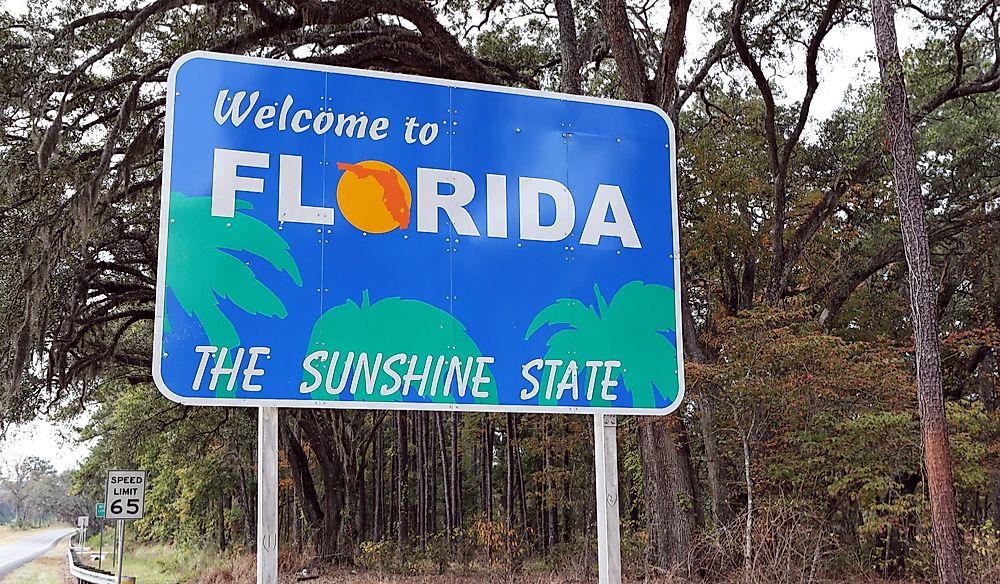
column 402, row 534
column 429, row 448
column 509, row 419
column 923, row 300
column 222, row 521
column 670, row 497
column 551, row 512
column 418, row 423
column 302, row 481
column 378, row 519
column 361, row 525
column 488, row 467
column 568, row 49
column 445, row 484
column 631, row 69
column 521, row 488
column 297, row 525
column 392, row 509
column 748, row 528
column 717, row 488
column 567, row 499
column 456, row 473
column 249, row 507
column 991, row 401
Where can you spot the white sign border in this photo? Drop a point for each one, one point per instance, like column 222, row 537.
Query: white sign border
column 157, row 356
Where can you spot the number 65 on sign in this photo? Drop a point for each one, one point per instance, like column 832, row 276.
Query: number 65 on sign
column 125, row 495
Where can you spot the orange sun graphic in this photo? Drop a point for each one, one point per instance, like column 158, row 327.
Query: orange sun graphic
column 374, row 196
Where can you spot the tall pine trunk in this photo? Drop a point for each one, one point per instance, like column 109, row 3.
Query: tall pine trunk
column 431, row 470
column 488, row 467
column 456, row 474
column 509, row 491
column 567, row 498
column 923, row 300
column 992, row 402
column 378, row 515
column 445, row 482
column 550, row 511
column 419, row 420
column 402, row 533
column 222, row 521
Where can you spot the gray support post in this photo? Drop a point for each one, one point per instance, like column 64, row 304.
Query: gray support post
column 120, row 531
column 609, row 559
column 267, row 496
column 100, row 551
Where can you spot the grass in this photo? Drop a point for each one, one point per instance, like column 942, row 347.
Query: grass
column 48, row 569
column 151, row 564
column 160, row 564
column 94, row 545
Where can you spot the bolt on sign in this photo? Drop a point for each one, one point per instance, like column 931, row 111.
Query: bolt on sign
column 341, row 238
column 125, row 494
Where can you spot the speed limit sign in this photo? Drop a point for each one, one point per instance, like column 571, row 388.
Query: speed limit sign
column 125, row 494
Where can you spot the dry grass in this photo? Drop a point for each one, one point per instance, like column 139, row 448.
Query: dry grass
column 242, row 570
column 374, row 578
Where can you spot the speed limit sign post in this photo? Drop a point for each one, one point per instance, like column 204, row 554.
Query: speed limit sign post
column 124, row 498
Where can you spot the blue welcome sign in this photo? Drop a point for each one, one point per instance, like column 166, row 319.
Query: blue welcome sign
column 341, row 238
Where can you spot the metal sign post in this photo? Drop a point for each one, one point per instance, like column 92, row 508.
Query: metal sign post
column 99, row 513
column 82, row 522
column 124, row 498
column 120, row 541
column 609, row 558
column 100, row 548
column 267, row 496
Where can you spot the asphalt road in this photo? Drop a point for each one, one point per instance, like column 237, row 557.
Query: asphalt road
column 19, row 552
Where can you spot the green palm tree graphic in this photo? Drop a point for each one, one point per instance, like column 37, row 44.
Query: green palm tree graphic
column 392, row 326
column 201, row 271
column 630, row 329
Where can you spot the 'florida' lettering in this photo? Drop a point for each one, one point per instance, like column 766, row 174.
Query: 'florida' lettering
column 443, row 191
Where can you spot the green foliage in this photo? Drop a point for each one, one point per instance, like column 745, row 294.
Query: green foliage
column 971, row 428
column 525, row 50
column 197, row 459
column 831, row 421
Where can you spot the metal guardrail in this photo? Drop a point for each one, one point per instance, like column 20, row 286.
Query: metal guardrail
column 84, row 573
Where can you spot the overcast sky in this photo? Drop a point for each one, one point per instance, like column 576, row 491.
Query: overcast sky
column 53, row 442
column 848, row 63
